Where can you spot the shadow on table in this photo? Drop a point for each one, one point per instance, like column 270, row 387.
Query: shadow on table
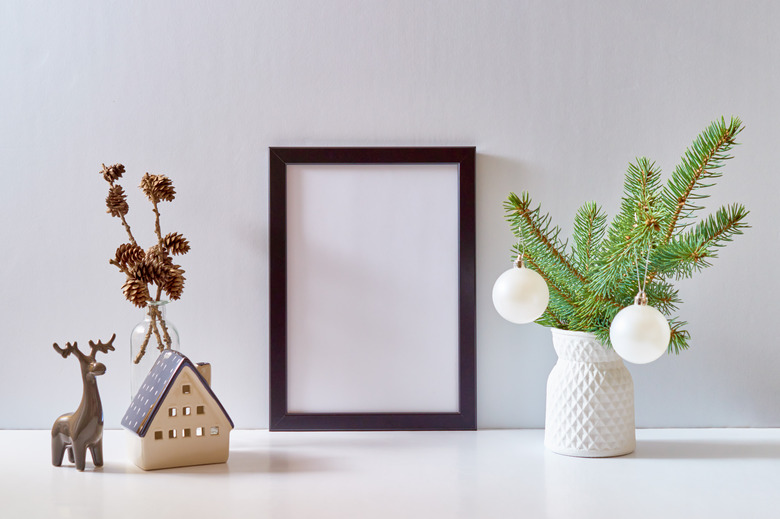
column 240, row 462
column 705, row 449
column 276, row 462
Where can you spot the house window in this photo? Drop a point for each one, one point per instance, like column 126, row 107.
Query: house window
column 214, row 430
column 187, row 410
column 172, row 411
column 200, row 409
column 199, row 431
column 158, row 435
column 172, row 433
column 186, row 433
column 185, row 389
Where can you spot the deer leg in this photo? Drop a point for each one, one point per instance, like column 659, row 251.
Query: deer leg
column 80, row 455
column 97, row 453
column 60, row 439
column 69, row 449
column 57, row 450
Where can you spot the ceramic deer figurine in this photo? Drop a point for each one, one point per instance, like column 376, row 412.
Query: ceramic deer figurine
column 82, row 429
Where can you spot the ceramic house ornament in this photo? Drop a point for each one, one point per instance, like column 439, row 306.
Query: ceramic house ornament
column 175, row 419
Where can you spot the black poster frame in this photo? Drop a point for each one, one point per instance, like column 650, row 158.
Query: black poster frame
column 280, row 418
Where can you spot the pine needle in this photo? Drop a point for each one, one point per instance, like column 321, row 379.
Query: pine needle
column 593, row 281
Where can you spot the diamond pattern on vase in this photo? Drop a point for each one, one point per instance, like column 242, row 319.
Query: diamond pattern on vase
column 590, row 399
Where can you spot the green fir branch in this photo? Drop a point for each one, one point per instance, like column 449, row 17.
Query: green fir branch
column 692, row 251
column 538, row 234
column 679, row 339
column 699, row 166
column 561, row 305
column 662, row 296
column 590, row 224
column 650, row 241
column 633, row 230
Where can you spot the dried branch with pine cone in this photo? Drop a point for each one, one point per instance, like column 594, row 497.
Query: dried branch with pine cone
column 153, row 266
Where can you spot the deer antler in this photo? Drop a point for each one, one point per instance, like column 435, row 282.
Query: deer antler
column 69, row 348
column 103, row 348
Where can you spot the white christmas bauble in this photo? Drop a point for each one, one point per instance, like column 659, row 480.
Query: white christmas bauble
column 520, row 295
column 639, row 333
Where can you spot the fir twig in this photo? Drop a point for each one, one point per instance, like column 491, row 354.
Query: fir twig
column 557, row 295
column 590, row 224
column 679, row 339
column 700, row 164
column 590, row 285
column 538, row 227
column 691, row 252
column 632, row 231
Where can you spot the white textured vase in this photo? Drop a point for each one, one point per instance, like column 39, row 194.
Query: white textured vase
column 590, row 399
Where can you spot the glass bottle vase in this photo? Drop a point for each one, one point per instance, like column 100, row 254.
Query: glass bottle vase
column 149, row 337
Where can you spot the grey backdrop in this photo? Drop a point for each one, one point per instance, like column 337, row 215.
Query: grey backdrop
column 558, row 97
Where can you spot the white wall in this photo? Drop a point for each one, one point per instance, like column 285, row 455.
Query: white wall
column 558, row 97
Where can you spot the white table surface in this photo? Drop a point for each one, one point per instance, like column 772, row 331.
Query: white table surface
column 685, row 473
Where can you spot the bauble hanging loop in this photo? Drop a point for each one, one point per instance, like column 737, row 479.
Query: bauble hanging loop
column 520, row 295
column 640, row 333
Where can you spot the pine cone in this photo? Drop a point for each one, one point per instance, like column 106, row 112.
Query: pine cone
column 116, row 201
column 175, row 243
column 129, row 254
column 149, row 271
column 159, row 256
column 173, row 285
column 136, row 292
column 157, row 188
column 112, row 173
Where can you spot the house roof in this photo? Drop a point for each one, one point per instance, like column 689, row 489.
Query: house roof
column 148, row 401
